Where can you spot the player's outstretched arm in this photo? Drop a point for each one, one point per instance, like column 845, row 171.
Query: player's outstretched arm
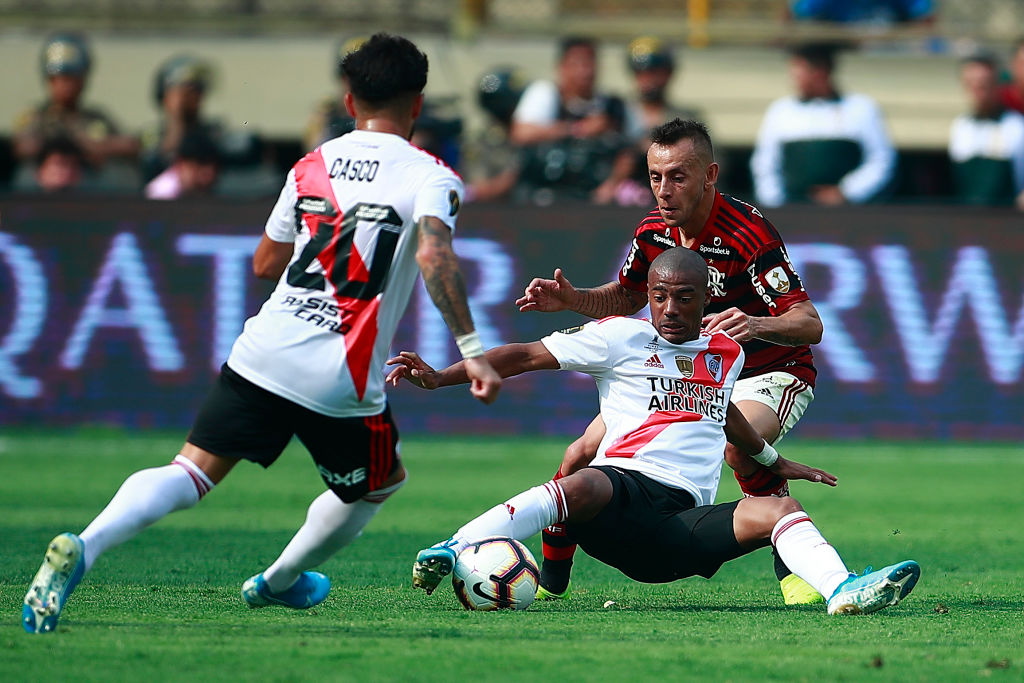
column 742, row 434
column 797, row 325
column 444, row 282
column 507, row 360
column 558, row 294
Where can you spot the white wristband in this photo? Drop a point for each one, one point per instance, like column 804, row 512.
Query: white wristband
column 470, row 345
column 767, row 456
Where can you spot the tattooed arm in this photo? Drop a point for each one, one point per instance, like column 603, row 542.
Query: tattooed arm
column 447, row 289
column 596, row 302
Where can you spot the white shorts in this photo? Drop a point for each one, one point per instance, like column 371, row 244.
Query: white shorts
column 780, row 391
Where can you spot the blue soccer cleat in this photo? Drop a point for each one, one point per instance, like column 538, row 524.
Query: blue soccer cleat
column 60, row 572
column 874, row 590
column 309, row 591
column 433, row 564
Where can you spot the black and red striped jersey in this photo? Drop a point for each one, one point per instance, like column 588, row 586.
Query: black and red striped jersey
column 748, row 267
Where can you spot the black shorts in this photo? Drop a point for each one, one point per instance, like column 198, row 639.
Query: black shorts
column 355, row 455
column 655, row 533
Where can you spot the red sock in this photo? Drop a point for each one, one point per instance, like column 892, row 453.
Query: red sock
column 763, row 482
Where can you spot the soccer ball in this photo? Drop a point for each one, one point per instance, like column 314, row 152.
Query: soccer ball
column 495, row 573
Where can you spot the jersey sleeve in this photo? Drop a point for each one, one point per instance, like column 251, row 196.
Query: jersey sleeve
column 281, row 223
column 766, row 161
column 584, row 348
column 440, row 197
column 633, row 274
column 879, row 155
column 538, row 105
column 772, row 269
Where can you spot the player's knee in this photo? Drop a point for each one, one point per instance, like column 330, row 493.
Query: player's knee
column 758, row 516
column 586, row 493
column 787, row 505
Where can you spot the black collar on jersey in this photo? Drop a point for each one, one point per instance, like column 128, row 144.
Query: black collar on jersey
column 995, row 115
column 833, row 97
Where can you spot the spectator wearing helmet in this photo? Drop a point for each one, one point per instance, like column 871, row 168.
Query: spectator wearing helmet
column 65, row 63
column 653, row 66
column 179, row 90
column 330, row 119
column 492, row 162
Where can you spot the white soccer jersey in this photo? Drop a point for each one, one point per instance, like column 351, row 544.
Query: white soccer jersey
column 351, row 207
column 1001, row 139
column 663, row 404
column 852, row 117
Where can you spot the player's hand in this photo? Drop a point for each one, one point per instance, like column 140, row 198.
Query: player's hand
column 409, row 365
column 787, row 469
column 484, row 379
column 732, row 321
column 547, row 296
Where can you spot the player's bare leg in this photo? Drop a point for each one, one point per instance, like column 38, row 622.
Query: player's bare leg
column 144, row 498
column 756, row 480
column 330, row 525
column 558, row 547
column 784, row 523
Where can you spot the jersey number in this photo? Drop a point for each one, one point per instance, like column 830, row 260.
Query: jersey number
column 382, row 216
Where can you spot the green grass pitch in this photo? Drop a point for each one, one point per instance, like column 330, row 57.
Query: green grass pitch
column 166, row 605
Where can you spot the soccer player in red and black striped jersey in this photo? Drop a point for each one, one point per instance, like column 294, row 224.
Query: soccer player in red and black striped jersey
column 756, row 297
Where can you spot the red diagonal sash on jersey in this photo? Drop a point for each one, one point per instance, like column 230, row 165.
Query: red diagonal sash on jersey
column 655, row 424
column 311, row 179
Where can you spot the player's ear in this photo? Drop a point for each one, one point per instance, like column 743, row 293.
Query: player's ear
column 417, row 106
column 350, row 105
column 711, row 176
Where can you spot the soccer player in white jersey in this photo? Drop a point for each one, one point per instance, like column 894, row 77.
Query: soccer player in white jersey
column 645, row 504
column 354, row 220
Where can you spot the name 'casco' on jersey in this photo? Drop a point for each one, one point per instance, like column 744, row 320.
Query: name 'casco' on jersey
column 748, row 268
column 351, row 207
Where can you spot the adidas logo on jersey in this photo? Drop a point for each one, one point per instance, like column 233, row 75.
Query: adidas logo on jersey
column 654, row 362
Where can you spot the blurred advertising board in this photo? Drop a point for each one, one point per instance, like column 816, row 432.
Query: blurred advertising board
column 119, row 311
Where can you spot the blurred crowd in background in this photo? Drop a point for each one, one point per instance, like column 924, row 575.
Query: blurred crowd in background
column 545, row 139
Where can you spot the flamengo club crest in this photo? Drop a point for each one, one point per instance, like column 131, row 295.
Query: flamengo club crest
column 685, row 365
column 713, row 361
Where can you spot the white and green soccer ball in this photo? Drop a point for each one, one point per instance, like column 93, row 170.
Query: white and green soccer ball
column 495, row 573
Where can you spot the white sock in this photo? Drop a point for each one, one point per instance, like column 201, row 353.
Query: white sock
column 520, row 517
column 144, row 498
column 330, row 526
column 807, row 554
